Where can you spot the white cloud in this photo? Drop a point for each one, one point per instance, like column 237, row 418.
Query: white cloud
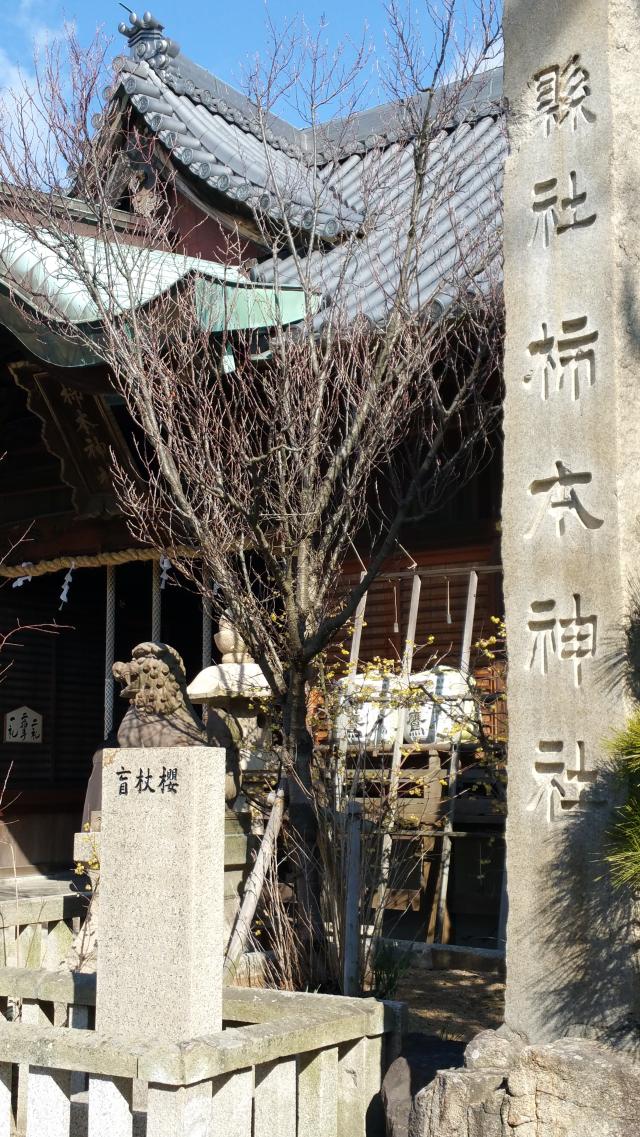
column 27, row 34
column 494, row 58
column 14, row 78
column 28, row 17
column 11, row 75
column 31, row 32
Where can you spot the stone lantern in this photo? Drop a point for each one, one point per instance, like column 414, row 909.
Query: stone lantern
column 235, row 691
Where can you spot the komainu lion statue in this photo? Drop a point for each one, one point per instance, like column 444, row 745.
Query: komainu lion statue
column 160, row 713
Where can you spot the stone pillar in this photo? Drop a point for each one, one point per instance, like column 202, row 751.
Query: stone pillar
column 572, row 492
column 161, row 926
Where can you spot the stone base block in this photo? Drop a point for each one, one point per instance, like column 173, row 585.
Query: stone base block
column 567, row 1088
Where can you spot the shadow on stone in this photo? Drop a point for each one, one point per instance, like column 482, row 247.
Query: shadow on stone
column 421, row 1057
column 589, row 932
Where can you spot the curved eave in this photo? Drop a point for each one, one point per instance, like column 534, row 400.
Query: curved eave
column 42, row 300
column 223, row 152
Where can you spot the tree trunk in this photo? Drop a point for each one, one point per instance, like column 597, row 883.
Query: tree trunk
column 303, row 825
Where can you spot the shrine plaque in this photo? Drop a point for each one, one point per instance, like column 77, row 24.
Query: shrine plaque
column 23, row 725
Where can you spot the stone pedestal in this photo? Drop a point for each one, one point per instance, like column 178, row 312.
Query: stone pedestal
column 161, row 925
column 572, row 493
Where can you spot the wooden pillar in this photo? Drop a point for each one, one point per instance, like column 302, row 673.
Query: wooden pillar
column 109, row 648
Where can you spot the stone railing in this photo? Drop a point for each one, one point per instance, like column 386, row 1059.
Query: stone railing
column 37, row 931
column 286, row 1065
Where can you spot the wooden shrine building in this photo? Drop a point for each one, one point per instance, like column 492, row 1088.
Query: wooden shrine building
column 66, row 554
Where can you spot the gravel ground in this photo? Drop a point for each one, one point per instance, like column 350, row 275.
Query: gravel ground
column 455, row 1005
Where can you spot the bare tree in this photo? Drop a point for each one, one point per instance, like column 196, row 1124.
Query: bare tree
column 273, row 456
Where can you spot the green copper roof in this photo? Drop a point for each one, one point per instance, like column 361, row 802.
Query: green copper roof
column 37, row 272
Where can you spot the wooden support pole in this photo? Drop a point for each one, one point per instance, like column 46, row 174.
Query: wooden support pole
column 454, row 766
column 396, row 756
column 405, row 676
column 342, row 726
column 351, row 945
column 255, row 882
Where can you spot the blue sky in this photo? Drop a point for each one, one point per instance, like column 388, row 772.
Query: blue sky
column 220, row 36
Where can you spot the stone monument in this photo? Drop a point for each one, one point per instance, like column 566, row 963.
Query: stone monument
column 160, row 846
column 160, row 921
column 571, row 496
column 571, row 541
column 161, row 715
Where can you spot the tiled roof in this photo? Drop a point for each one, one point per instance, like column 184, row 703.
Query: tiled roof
column 39, row 274
column 219, row 140
column 213, row 131
column 460, row 225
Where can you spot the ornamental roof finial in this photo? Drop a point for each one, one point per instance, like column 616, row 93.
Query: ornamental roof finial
column 147, row 41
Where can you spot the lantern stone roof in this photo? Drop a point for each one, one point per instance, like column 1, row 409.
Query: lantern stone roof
column 225, row 681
